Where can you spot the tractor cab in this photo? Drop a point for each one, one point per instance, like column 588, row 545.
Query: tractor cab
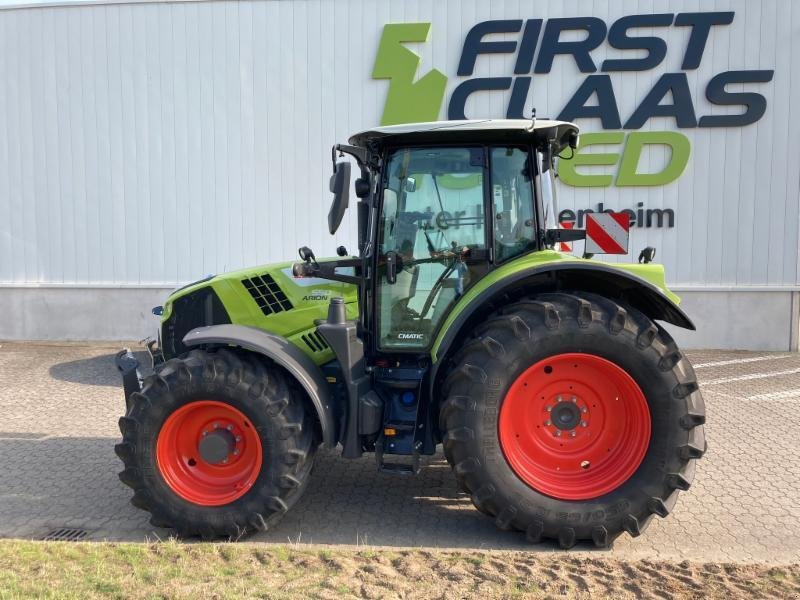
column 440, row 206
column 443, row 208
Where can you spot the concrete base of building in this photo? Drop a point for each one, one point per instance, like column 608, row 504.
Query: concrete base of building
column 726, row 318
column 738, row 319
column 79, row 313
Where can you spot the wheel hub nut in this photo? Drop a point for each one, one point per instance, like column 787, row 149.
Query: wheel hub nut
column 566, row 415
column 215, row 447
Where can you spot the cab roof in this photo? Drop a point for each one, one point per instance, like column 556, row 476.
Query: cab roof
column 475, row 130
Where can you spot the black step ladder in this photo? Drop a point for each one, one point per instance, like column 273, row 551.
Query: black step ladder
column 401, row 468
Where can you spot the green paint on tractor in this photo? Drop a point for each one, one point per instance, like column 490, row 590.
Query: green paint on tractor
column 309, row 300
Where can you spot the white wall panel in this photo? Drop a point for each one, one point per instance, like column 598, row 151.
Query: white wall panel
column 153, row 143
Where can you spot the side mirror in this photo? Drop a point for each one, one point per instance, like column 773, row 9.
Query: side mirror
column 340, row 188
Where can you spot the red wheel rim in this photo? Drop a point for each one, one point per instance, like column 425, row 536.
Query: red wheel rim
column 574, row 426
column 196, row 479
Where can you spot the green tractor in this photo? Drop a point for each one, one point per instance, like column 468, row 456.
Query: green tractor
column 564, row 408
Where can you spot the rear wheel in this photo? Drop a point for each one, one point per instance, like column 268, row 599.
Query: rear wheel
column 570, row 417
column 216, row 444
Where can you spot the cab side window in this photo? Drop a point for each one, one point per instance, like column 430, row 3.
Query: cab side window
column 512, row 201
column 433, row 217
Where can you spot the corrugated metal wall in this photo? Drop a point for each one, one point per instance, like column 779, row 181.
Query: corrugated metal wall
column 157, row 142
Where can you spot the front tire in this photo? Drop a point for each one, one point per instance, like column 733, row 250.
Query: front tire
column 217, row 444
column 571, row 417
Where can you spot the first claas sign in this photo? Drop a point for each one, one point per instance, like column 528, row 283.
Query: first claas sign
column 607, row 233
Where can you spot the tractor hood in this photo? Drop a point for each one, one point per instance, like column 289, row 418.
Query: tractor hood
column 267, row 297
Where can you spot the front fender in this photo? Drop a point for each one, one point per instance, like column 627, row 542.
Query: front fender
column 284, row 353
column 613, row 282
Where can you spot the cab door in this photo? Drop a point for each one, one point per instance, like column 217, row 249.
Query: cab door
column 432, row 240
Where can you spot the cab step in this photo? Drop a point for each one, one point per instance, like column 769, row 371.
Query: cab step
column 400, row 468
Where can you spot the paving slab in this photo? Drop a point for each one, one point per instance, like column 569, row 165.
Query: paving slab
column 59, row 405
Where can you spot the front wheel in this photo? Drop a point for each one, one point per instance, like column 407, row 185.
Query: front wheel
column 217, row 444
column 571, row 417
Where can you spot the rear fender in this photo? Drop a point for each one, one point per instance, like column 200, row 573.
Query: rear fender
column 285, row 354
column 589, row 276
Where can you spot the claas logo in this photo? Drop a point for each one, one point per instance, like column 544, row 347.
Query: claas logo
column 536, row 46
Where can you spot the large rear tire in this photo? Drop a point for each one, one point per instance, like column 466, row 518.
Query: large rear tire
column 217, row 444
column 570, row 417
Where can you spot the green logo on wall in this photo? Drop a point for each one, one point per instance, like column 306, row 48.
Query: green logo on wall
column 411, row 98
column 626, row 160
column 407, row 101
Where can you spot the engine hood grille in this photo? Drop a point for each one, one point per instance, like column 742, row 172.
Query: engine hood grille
column 267, row 294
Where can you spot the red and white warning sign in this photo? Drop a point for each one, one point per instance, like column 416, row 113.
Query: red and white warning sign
column 607, row 233
column 565, row 246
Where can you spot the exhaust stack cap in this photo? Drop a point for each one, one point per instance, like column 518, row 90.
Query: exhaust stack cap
column 336, row 312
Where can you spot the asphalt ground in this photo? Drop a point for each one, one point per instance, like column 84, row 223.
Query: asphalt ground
column 59, row 405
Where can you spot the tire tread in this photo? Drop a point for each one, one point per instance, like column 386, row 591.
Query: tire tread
column 263, row 387
column 516, row 328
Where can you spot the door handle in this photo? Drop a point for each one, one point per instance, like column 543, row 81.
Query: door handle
column 391, row 266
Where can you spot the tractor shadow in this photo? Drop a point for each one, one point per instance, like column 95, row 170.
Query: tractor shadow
column 95, row 370
column 54, row 482
column 351, row 503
